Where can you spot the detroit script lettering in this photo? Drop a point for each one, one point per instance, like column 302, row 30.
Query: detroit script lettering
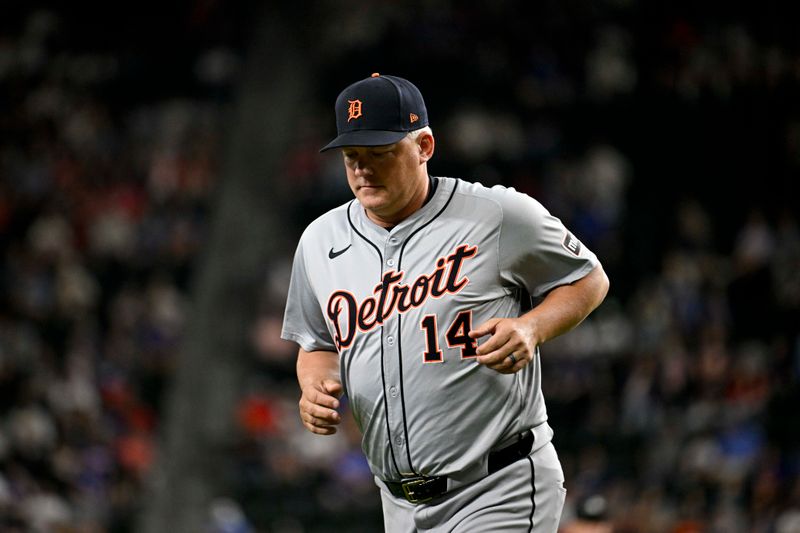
column 391, row 295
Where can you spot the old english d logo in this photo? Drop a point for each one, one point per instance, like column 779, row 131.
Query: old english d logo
column 354, row 111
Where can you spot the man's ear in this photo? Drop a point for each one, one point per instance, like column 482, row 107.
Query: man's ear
column 426, row 145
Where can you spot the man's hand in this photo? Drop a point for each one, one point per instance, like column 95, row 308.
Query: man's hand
column 320, row 387
column 508, row 336
column 318, row 404
column 513, row 341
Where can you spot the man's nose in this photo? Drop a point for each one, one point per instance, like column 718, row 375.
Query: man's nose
column 362, row 167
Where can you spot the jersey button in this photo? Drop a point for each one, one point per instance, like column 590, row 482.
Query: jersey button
column 393, row 240
column 390, row 262
column 393, row 392
column 399, row 441
column 390, row 340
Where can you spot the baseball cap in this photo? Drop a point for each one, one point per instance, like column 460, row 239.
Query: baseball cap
column 377, row 110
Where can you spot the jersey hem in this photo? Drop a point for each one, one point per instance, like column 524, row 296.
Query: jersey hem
column 572, row 278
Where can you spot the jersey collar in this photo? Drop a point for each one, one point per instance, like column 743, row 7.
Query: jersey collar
column 442, row 189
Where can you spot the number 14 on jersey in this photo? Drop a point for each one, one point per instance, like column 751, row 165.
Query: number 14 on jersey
column 457, row 336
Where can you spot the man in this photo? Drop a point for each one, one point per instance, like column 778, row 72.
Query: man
column 408, row 298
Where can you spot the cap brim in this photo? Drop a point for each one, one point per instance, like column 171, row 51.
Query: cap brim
column 365, row 138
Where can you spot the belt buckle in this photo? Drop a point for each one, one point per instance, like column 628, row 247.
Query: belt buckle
column 409, row 488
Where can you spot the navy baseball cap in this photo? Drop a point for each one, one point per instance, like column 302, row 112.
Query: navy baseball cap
column 377, row 110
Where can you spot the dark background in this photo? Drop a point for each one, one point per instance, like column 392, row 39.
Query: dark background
column 666, row 135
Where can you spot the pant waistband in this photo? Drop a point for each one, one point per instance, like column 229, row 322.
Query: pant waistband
column 424, row 489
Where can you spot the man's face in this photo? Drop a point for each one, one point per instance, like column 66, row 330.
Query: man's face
column 387, row 179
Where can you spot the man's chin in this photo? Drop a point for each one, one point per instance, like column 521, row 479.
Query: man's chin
column 371, row 199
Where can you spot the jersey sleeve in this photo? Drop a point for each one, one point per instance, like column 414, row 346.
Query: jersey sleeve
column 303, row 321
column 536, row 250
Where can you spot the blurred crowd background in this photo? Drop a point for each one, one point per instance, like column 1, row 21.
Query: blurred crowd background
column 666, row 136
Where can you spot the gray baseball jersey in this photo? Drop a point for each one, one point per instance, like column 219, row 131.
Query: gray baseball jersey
column 397, row 306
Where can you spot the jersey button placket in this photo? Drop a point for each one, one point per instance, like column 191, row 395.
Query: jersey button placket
column 392, row 355
column 392, row 391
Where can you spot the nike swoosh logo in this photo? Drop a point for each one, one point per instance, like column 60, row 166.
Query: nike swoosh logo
column 334, row 255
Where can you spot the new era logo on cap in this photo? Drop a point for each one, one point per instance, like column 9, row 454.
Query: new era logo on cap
column 376, row 111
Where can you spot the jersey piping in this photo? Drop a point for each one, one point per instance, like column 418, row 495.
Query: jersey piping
column 383, row 372
column 399, row 331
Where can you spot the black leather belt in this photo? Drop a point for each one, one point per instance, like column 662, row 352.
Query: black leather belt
column 423, row 489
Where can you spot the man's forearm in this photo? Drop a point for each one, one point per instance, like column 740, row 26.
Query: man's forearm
column 314, row 367
column 565, row 307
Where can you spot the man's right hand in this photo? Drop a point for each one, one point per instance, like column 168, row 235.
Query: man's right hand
column 318, row 404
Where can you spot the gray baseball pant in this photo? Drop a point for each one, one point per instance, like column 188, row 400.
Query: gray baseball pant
column 526, row 496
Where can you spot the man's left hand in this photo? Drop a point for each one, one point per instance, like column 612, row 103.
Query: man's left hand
column 510, row 347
